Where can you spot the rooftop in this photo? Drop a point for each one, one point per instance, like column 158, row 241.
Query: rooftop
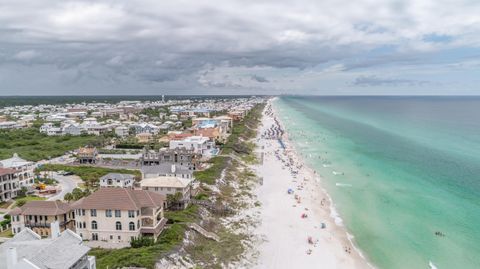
column 121, row 199
column 117, row 176
column 44, row 253
column 169, row 182
column 14, row 162
column 45, row 208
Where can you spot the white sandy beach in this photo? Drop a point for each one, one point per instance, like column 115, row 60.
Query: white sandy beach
column 282, row 227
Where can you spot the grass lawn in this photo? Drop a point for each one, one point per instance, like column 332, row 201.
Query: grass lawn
column 5, row 205
column 23, row 200
column 6, row 233
column 89, row 174
column 32, row 145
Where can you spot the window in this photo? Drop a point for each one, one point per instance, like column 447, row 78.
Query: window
column 131, row 213
column 83, row 212
column 108, row 213
column 93, row 212
column 41, row 218
column 118, row 226
column 84, row 225
column 119, row 237
column 95, row 237
column 111, row 237
column 118, row 213
column 94, row 225
column 131, row 226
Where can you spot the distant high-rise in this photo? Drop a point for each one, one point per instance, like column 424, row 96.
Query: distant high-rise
column 163, row 98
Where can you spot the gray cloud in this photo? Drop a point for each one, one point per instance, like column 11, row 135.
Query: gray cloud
column 119, row 46
column 374, row 81
column 260, row 79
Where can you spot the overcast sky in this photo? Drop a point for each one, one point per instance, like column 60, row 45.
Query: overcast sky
column 338, row 47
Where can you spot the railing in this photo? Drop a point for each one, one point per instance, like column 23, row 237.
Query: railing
column 31, row 224
column 155, row 229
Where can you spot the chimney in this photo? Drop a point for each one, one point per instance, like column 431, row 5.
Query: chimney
column 173, row 168
column 11, row 257
column 55, row 229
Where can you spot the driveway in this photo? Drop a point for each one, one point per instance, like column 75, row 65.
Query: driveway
column 67, row 183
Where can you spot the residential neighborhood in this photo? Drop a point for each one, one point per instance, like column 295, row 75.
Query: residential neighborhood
column 132, row 170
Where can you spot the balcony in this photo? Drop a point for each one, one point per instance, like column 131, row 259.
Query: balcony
column 43, row 224
column 154, row 230
column 147, row 211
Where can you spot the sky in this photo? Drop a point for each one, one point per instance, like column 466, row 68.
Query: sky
column 313, row 47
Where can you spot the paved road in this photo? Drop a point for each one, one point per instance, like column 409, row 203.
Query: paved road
column 68, row 183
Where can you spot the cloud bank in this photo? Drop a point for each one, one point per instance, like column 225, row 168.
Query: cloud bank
column 228, row 47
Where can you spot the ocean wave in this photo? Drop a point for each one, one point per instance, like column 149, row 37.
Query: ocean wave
column 334, row 214
column 432, row 266
column 336, row 173
column 343, row 184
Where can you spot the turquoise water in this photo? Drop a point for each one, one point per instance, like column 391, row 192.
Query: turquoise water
column 398, row 170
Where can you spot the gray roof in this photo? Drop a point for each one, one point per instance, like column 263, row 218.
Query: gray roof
column 14, row 162
column 117, row 176
column 166, row 168
column 59, row 253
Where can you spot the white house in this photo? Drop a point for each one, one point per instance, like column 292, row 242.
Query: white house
column 23, row 169
column 198, row 144
column 121, row 131
column 116, row 180
column 72, row 129
column 145, row 128
column 169, row 185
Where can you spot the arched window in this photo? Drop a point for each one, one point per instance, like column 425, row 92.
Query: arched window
column 109, row 181
column 118, row 225
column 131, row 226
column 94, row 225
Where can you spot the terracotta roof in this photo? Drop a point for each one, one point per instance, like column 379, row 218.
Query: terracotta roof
column 44, row 208
column 6, row 171
column 119, row 198
column 207, row 132
column 180, row 136
column 87, row 150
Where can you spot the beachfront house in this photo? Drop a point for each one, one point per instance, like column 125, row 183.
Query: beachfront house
column 182, row 157
column 117, row 215
column 198, row 144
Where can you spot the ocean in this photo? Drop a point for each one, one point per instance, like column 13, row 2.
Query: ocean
column 403, row 172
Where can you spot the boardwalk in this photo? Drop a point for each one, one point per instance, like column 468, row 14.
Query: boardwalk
column 203, row 232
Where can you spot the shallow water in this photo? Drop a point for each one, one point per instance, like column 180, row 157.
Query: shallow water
column 399, row 170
